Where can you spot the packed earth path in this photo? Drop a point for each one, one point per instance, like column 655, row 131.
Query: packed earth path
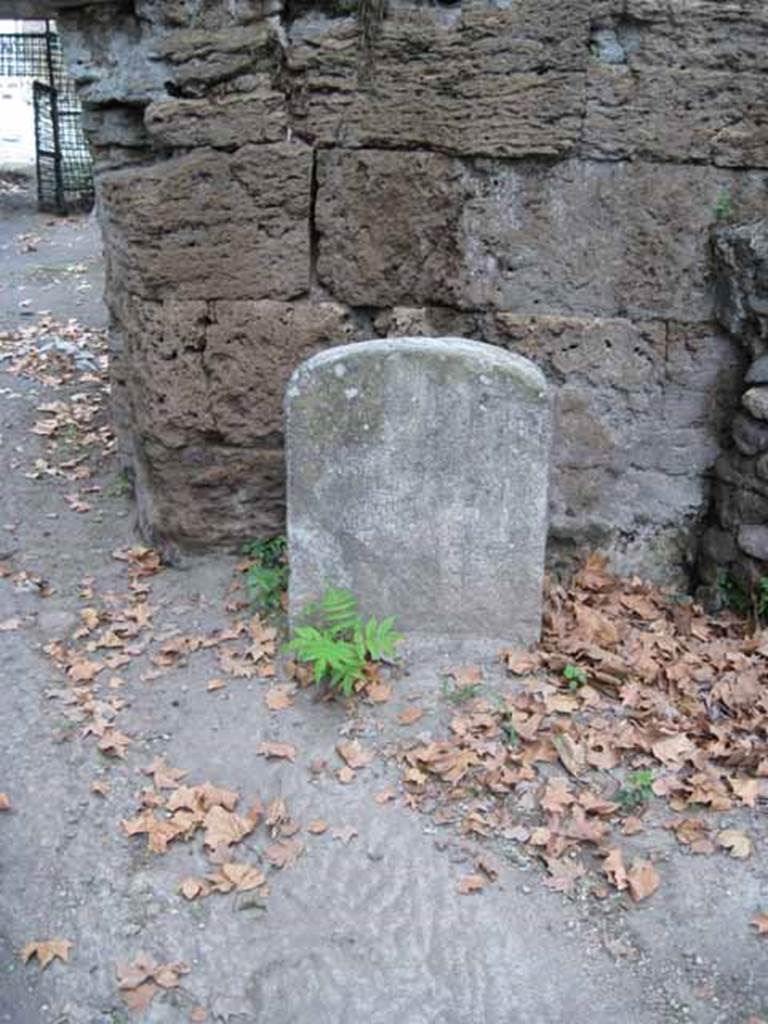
column 189, row 832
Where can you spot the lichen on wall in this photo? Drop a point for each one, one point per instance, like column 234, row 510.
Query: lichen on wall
column 277, row 177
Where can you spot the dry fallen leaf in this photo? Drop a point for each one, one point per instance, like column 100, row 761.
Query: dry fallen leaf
column 613, row 866
column 736, row 842
column 760, row 921
column 215, row 684
column 280, row 697
column 100, row 787
column 345, row 775
column 191, row 887
column 469, row 884
column 317, row 827
column 284, row 853
column 466, row 675
column 345, row 834
column 385, row 796
column 46, row 950
column 747, row 790
column 5, row 803
column 163, row 775
column 280, row 750
column 354, row 754
column 409, row 716
column 643, row 880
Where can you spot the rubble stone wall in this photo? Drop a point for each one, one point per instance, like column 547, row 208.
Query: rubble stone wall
column 278, row 176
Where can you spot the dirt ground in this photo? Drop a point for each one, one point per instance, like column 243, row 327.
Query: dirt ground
column 367, row 924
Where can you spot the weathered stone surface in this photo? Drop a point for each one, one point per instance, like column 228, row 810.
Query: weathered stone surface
column 741, row 282
column 490, row 82
column 641, row 413
column 758, row 371
column 750, row 435
column 424, row 490
column 753, row 540
column 253, row 347
column 606, row 239
column 217, row 370
column 755, row 401
column 212, row 224
column 209, row 495
column 199, row 58
column 706, row 33
column 208, row 14
column 698, row 115
column 228, row 121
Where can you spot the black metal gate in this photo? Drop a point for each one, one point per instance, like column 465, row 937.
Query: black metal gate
column 64, row 167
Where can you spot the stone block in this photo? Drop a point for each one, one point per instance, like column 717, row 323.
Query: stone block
column 695, row 115
column 753, row 540
column 258, row 116
column 217, row 370
column 740, row 258
column 696, row 33
column 252, row 349
column 604, row 239
column 417, row 478
column 206, row 496
column 750, row 435
column 489, row 82
column 755, row 401
column 211, row 225
column 641, row 411
column 758, row 371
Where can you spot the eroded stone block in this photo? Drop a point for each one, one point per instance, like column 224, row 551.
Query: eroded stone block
column 417, row 478
column 605, row 239
column 490, row 82
column 211, row 224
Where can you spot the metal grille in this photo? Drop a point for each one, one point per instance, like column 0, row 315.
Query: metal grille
column 64, row 166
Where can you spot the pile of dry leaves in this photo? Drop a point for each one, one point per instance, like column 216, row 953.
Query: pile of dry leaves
column 633, row 698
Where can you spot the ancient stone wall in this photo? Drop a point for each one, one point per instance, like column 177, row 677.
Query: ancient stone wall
column 278, row 176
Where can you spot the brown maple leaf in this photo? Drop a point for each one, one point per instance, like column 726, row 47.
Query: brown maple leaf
column 280, row 697
column 223, row 828
column 410, row 715
column 270, row 749
column 345, row 834
column 284, row 853
column 163, row 775
column 46, row 950
column 643, row 880
column 354, row 754
column 469, row 884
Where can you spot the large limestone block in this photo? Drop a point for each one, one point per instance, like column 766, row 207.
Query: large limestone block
column 211, row 225
column 217, row 371
column 640, row 416
column 491, row 82
column 725, row 34
column 258, row 116
column 697, row 114
column 207, row 495
column 608, row 239
column 417, row 478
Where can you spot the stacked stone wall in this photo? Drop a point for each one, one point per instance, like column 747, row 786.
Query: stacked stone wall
column 278, row 177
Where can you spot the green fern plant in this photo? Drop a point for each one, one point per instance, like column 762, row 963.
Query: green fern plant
column 267, row 579
column 339, row 645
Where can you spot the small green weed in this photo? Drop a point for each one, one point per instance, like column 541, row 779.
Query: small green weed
column 575, row 676
column 723, row 208
column 637, row 790
column 736, row 596
column 121, row 486
column 509, row 734
column 340, row 645
column 460, row 694
column 267, row 579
